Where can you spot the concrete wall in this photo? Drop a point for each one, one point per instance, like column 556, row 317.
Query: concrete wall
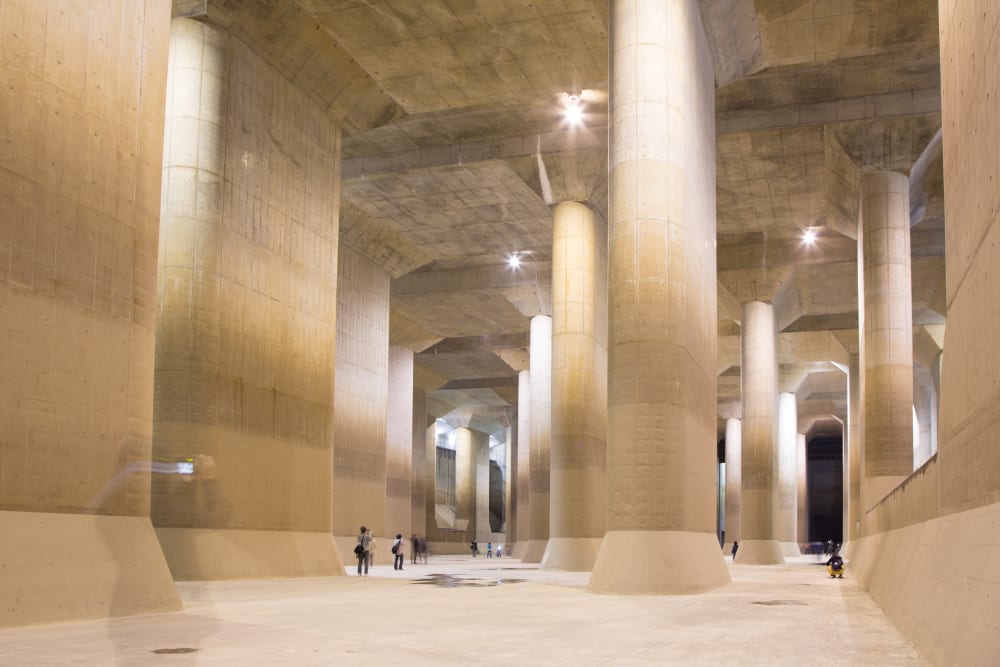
column 246, row 329
column 930, row 554
column 360, row 400
column 81, row 139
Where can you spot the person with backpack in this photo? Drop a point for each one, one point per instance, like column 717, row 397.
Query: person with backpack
column 361, row 549
column 397, row 551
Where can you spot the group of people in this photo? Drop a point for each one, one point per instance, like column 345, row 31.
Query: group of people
column 364, row 550
column 474, row 547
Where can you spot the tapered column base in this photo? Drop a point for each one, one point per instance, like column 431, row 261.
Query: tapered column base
column 759, row 552
column 534, row 551
column 575, row 554
column 645, row 562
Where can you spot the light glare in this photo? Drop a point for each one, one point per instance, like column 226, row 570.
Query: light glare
column 809, row 236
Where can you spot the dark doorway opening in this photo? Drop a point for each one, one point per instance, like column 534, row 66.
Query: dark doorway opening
column 825, row 471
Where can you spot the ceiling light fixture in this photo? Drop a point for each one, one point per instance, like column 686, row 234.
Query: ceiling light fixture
column 573, row 111
column 514, row 260
column 809, row 236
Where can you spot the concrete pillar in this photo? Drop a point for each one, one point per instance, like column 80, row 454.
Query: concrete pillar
column 465, row 479
column 802, row 490
column 418, row 478
column 245, row 340
column 523, row 463
column 483, row 529
column 399, row 443
column 734, row 490
column 925, row 405
column 430, row 482
column 540, row 420
column 80, row 170
column 662, row 474
column 852, row 451
column 510, row 471
column 360, row 403
column 786, row 522
column 759, row 379
column 886, row 328
column 579, row 388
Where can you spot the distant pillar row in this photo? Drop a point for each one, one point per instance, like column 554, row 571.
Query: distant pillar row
column 579, row 388
column 662, row 479
column 759, row 379
column 734, row 490
column 540, row 360
column 886, row 334
column 788, row 474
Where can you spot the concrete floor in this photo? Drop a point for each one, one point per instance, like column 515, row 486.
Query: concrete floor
column 487, row 612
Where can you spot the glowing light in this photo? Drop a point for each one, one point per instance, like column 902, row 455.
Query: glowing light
column 573, row 111
column 809, row 236
column 514, row 261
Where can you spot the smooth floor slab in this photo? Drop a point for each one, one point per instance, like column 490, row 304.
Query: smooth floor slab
column 494, row 611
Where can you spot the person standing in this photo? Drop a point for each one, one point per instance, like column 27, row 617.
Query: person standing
column 736, row 547
column 397, row 550
column 361, row 550
column 489, row 549
column 414, row 542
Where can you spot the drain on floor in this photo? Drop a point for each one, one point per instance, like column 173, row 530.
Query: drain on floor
column 775, row 603
column 174, row 650
column 451, row 581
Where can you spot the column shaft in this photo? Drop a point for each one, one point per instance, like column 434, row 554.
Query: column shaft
column 245, row 339
column 662, row 476
column 579, row 388
column 853, row 444
column 523, row 463
column 734, row 488
column 802, row 502
column 886, row 334
column 759, row 379
column 399, row 442
column 540, row 360
column 787, row 519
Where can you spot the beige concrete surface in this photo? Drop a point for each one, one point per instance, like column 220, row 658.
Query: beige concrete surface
column 488, row 612
column 579, row 424
column 540, row 420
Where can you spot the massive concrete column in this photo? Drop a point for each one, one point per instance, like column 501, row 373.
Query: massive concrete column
column 662, row 476
column 465, row 479
column 759, row 379
column 925, row 405
column 852, row 451
column 540, row 420
column 399, row 443
column 481, row 461
column 360, row 403
column 802, row 490
column 418, row 477
column 81, row 140
column 786, row 522
column 523, row 463
column 247, row 318
column 734, row 489
column 886, row 334
column 579, row 388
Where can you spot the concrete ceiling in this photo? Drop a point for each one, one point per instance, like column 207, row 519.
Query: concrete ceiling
column 455, row 148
